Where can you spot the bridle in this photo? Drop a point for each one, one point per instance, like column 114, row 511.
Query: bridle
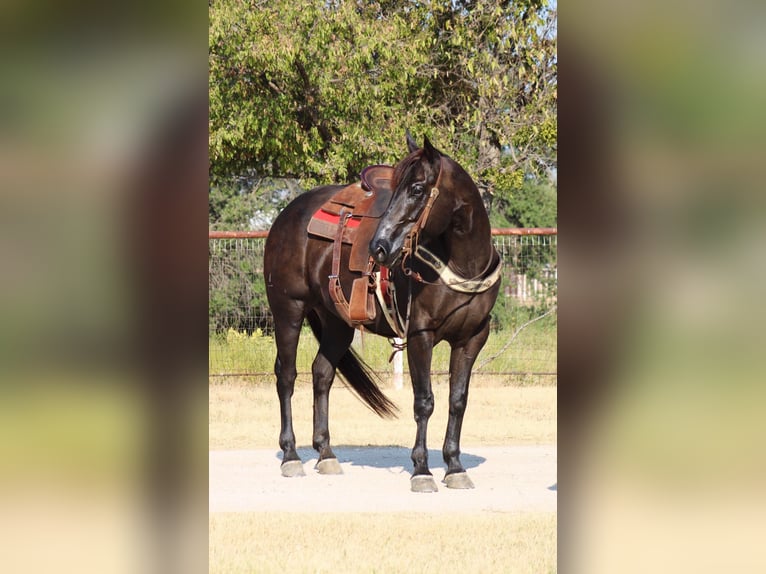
column 411, row 241
column 448, row 278
column 411, row 248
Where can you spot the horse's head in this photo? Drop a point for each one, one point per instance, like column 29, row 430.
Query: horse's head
column 415, row 185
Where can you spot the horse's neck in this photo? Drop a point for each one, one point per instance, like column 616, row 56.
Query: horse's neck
column 471, row 250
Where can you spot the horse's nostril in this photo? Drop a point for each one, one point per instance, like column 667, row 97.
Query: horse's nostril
column 380, row 254
column 379, row 251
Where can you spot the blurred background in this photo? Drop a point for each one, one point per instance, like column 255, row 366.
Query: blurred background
column 661, row 324
column 103, row 170
column 103, row 167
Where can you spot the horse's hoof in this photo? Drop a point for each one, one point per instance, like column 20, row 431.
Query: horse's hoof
column 292, row 468
column 423, row 483
column 329, row 466
column 458, row 480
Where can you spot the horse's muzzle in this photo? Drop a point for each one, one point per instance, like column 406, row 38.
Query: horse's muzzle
column 380, row 249
column 383, row 250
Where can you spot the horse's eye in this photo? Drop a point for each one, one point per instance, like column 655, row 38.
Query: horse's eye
column 418, row 188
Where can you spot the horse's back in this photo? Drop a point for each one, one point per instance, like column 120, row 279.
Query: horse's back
column 285, row 252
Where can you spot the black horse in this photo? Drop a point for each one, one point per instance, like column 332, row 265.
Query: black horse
column 435, row 239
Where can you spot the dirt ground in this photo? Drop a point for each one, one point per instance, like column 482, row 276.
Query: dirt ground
column 377, row 479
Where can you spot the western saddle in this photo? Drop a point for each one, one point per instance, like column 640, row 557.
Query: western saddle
column 351, row 216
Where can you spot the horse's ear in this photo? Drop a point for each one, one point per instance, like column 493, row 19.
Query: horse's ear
column 411, row 144
column 430, row 152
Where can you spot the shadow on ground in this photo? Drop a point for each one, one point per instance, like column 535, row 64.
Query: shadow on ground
column 386, row 457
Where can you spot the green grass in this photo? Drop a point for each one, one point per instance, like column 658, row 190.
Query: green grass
column 533, row 351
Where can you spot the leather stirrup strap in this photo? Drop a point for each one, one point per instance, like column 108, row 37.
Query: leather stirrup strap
column 361, row 308
column 336, row 293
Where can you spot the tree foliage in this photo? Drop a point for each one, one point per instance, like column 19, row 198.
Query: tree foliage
column 317, row 90
column 531, row 205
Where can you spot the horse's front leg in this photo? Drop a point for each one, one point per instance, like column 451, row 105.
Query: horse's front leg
column 462, row 359
column 419, row 353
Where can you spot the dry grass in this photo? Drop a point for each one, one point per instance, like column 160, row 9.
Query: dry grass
column 339, row 543
column 246, row 415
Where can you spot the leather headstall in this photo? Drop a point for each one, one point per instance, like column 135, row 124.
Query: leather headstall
column 411, row 241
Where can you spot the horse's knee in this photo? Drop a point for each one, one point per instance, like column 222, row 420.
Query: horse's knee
column 286, row 381
column 458, row 405
column 286, row 372
column 424, row 406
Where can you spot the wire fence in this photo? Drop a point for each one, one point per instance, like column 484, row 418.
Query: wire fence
column 521, row 348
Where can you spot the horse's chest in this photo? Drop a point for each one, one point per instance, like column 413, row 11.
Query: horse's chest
column 453, row 315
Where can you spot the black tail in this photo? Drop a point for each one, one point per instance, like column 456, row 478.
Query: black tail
column 360, row 376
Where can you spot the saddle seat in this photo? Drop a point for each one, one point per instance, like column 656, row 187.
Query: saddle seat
column 351, row 217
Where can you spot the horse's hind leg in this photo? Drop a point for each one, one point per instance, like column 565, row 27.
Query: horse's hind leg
column 335, row 338
column 462, row 359
column 287, row 330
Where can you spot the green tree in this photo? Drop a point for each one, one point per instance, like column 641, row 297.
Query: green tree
column 532, row 204
column 316, row 90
